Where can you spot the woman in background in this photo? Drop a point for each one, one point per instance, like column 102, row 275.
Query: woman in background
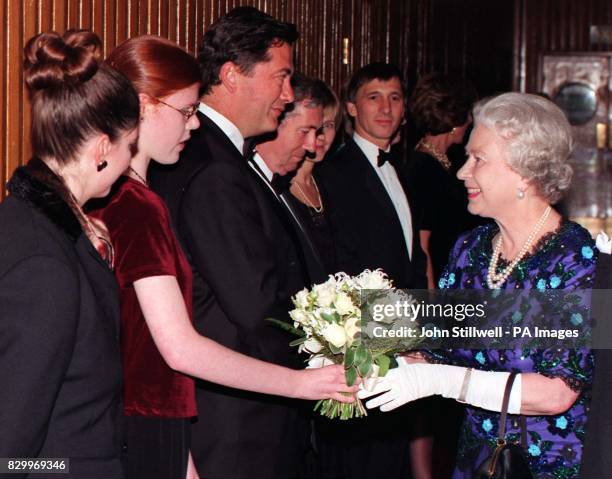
column 161, row 349
column 305, row 188
column 440, row 109
column 59, row 326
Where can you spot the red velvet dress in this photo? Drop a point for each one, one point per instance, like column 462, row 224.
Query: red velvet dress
column 145, row 246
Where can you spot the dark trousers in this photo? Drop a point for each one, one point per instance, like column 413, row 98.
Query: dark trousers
column 156, row 448
column 377, row 446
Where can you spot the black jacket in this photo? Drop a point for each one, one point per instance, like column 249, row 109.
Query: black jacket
column 365, row 224
column 60, row 370
column 247, row 262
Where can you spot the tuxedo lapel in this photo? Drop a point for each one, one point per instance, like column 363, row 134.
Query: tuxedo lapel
column 377, row 191
column 290, row 217
column 416, row 219
column 219, row 138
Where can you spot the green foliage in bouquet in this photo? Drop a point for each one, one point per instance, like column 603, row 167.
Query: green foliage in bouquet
column 327, row 320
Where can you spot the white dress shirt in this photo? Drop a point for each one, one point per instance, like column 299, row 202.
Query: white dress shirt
column 226, row 126
column 267, row 178
column 233, row 133
column 388, row 177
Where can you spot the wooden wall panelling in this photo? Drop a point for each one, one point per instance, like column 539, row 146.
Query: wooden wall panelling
column 59, row 16
column 553, row 26
column 109, row 18
column 4, row 49
column 377, row 29
column 182, row 19
column 72, row 13
column 97, row 20
column 13, row 89
column 36, row 18
column 169, row 28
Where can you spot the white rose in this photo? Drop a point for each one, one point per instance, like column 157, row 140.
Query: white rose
column 301, row 299
column 325, row 294
column 299, row 316
column 331, row 281
column 311, row 346
column 344, row 304
column 351, row 329
column 335, row 334
column 373, row 280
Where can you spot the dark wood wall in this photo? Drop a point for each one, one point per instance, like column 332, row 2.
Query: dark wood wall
column 494, row 43
column 553, row 26
column 468, row 38
column 371, row 27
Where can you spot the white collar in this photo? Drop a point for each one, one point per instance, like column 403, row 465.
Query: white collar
column 263, row 166
column 370, row 150
column 230, row 130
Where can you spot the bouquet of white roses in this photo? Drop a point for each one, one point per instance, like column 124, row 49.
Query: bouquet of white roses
column 328, row 320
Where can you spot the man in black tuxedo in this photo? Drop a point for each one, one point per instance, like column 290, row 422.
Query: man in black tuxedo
column 279, row 155
column 243, row 245
column 374, row 227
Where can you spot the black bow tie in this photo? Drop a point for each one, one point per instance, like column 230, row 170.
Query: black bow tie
column 280, row 184
column 248, row 149
column 384, row 156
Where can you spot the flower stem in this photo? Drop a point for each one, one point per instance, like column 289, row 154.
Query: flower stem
column 334, row 409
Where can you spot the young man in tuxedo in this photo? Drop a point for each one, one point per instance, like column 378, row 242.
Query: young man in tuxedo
column 242, row 243
column 374, row 227
column 370, row 207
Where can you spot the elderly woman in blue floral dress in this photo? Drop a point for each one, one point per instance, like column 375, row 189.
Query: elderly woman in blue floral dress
column 517, row 168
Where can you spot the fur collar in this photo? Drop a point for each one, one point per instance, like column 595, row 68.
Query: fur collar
column 38, row 186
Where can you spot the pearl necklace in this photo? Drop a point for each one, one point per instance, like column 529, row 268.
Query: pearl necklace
column 140, row 178
column 494, row 279
column 433, row 151
column 310, row 203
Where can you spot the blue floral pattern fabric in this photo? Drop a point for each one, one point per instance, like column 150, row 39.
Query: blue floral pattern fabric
column 564, row 259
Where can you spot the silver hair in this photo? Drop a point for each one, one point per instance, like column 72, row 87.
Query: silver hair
column 538, row 137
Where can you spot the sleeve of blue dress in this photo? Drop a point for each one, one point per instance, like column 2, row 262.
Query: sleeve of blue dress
column 574, row 272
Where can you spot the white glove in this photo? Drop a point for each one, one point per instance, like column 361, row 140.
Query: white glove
column 409, row 382
column 603, row 243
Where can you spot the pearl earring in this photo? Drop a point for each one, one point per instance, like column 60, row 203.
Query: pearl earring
column 520, row 194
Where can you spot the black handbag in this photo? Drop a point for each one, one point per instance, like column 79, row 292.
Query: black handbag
column 508, row 461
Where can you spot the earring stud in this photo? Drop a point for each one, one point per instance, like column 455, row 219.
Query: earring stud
column 103, row 164
column 520, row 194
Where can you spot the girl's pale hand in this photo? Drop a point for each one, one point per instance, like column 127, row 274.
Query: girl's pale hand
column 325, row 383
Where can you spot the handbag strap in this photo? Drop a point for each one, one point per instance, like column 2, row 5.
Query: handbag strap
column 501, row 436
column 523, row 422
column 504, row 411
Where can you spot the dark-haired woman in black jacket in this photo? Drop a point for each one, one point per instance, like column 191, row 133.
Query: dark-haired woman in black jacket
column 60, row 370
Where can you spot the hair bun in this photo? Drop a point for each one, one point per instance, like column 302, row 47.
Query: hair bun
column 55, row 61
